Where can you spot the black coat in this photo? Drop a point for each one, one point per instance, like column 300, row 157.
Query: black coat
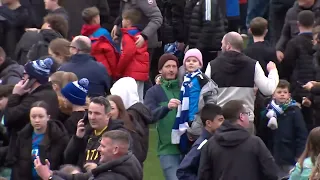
column 126, row 167
column 232, row 153
column 28, row 48
column 297, row 66
column 186, row 18
column 207, row 26
column 55, row 141
column 75, row 153
column 141, row 117
column 12, row 27
column 315, row 92
column 288, row 141
column 17, row 111
column 172, row 26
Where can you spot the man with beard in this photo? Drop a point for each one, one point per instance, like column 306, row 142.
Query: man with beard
column 163, row 100
column 236, row 74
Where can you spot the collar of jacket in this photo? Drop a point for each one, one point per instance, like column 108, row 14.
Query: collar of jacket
column 80, row 57
column 55, row 131
column 169, row 84
column 206, row 134
column 109, row 165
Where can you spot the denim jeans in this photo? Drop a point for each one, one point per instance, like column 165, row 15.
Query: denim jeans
column 256, row 8
column 170, row 165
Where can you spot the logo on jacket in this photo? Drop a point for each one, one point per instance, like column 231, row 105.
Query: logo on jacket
column 150, row 1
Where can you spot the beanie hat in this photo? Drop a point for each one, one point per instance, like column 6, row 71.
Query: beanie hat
column 166, row 57
column 39, row 69
column 193, row 53
column 76, row 92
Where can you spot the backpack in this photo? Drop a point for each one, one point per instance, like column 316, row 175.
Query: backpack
column 38, row 50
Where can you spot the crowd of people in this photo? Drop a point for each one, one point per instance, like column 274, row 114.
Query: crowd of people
column 232, row 86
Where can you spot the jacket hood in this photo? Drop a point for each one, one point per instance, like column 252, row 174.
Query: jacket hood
column 49, row 35
column 231, row 135
column 143, row 112
column 129, row 95
column 89, row 29
column 127, row 166
column 55, row 130
column 232, row 61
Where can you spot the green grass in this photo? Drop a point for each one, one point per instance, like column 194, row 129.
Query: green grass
column 152, row 168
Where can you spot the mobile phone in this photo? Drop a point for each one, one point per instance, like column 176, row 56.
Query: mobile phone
column 85, row 118
column 300, row 83
column 30, row 83
column 42, row 154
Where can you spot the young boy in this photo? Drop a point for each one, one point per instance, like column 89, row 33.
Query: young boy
column 297, row 65
column 283, row 129
column 54, row 7
column 134, row 61
column 103, row 48
column 212, row 118
column 196, row 91
column 261, row 50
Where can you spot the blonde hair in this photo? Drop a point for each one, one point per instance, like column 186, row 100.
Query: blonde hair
column 60, row 47
column 62, row 78
column 315, row 174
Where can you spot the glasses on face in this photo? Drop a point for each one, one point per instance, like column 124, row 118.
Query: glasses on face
column 246, row 113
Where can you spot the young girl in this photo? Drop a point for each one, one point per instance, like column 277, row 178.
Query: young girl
column 75, row 95
column 42, row 132
column 58, row 80
column 118, row 111
column 59, row 50
column 196, row 90
column 307, row 160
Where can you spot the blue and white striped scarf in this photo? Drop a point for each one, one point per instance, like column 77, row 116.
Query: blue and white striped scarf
column 181, row 125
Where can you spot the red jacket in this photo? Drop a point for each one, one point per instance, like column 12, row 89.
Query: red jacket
column 243, row 1
column 133, row 62
column 103, row 51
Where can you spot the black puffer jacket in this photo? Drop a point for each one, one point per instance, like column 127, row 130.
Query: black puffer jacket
column 206, row 26
column 172, row 27
column 55, row 141
column 297, row 66
column 12, row 27
column 141, row 118
column 187, row 17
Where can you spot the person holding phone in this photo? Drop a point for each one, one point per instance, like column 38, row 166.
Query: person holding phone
column 32, row 88
column 82, row 149
column 42, row 137
column 75, row 94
